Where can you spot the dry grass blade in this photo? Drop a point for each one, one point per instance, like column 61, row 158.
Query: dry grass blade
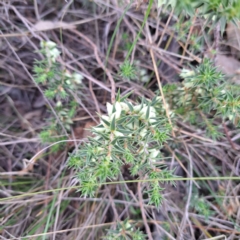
column 38, row 192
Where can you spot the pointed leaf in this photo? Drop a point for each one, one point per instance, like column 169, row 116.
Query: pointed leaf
column 106, row 122
column 126, row 96
column 130, row 106
column 148, row 112
column 118, row 97
column 223, row 22
column 113, row 124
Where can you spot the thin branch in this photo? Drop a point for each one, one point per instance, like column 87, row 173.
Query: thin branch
column 143, row 212
column 95, row 49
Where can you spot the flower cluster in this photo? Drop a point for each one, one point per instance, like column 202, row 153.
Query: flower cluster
column 211, row 92
column 50, row 49
column 129, row 134
column 49, row 73
column 58, row 85
column 205, row 94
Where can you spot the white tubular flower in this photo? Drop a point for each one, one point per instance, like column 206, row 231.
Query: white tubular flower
column 143, row 75
column 186, row 73
column 117, row 113
column 152, row 113
column 67, row 74
column 106, row 118
column 199, row 90
column 50, row 44
column 51, row 51
column 137, row 108
column 143, row 111
column 109, row 108
column 124, row 106
column 59, row 104
column 152, row 120
column 128, row 225
column 47, row 44
column 68, row 82
column 99, row 149
column 143, row 72
column 118, row 134
column 118, row 109
column 153, row 153
column 145, row 78
column 172, row 114
column 77, row 78
column 188, row 84
column 230, row 117
column 54, row 53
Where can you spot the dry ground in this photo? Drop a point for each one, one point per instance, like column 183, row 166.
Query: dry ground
column 37, row 190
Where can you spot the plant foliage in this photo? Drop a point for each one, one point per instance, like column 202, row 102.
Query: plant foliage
column 58, row 85
column 130, row 134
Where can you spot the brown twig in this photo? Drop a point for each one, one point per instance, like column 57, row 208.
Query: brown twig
column 161, row 91
column 143, row 212
column 227, row 135
column 113, row 87
column 188, row 37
